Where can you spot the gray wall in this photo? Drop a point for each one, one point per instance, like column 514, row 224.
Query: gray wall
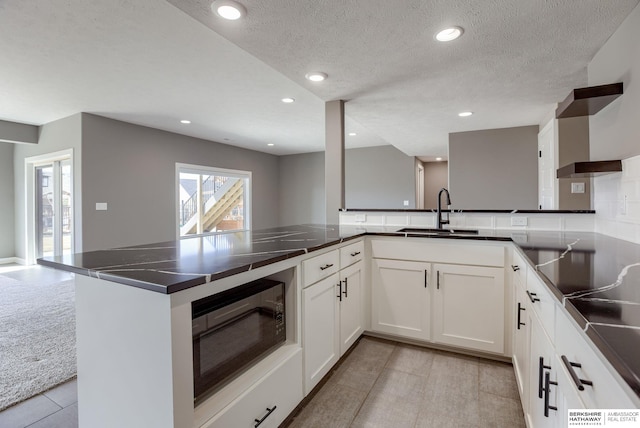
column 436, row 176
column 59, row 135
column 302, row 188
column 132, row 169
column 573, row 146
column 7, row 248
column 494, row 168
column 615, row 130
column 379, row 177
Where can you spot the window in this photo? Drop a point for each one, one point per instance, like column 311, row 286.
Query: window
column 212, row 199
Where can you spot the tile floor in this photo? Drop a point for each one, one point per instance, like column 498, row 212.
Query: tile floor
column 56, row 408
column 388, row 384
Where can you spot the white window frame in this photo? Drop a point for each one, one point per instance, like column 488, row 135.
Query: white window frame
column 211, row 170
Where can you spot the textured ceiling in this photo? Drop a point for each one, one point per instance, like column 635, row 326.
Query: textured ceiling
column 148, row 62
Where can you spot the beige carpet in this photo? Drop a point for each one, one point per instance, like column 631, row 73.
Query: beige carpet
column 37, row 337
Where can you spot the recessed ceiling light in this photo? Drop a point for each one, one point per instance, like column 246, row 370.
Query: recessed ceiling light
column 288, row 100
column 270, row 144
column 352, row 134
column 449, row 34
column 465, row 113
column 438, row 159
column 316, row 76
column 185, row 121
column 228, row 9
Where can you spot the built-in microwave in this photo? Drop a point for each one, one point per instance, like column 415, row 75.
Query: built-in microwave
column 234, row 329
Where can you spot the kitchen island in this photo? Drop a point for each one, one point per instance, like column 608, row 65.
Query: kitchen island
column 134, row 308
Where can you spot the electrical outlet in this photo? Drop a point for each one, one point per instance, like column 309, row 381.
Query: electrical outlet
column 101, row 206
column 623, row 206
column 406, row 203
column 519, row 221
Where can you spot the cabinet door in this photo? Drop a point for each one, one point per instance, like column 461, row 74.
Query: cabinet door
column 320, row 338
column 401, row 302
column 521, row 341
column 543, row 392
column 351, row 306
column 469, row 307
column 568, row 397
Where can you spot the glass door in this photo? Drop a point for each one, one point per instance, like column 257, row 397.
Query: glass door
column 53, row 208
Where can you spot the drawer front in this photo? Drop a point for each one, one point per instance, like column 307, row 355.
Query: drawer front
column 282, row 389
column 319, row 267
column 351, row 254
column 466, row 252
column 542, row 302
column 519, row 268
column 606, row 391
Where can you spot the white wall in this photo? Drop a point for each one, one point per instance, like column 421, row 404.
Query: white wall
column 615, row 132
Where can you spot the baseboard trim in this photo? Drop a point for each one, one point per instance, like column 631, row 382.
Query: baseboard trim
column 8, row 260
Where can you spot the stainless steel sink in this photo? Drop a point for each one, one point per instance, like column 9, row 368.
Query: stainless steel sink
column 428, row 231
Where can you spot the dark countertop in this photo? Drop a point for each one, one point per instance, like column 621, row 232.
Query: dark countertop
column 595, row 277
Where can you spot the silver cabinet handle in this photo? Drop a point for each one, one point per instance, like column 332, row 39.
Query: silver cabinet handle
column 327, row 266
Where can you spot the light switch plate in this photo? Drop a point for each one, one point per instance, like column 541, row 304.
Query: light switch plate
column 101, row 206
column 577, row 187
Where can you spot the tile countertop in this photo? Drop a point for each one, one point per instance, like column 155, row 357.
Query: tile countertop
column 596, row 277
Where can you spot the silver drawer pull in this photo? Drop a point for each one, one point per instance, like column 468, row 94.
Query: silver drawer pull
column 327, row 266
column 355, row 254
column 580, row 383
column 515, row 268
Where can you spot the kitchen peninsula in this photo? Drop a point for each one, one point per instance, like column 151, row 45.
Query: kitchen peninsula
column 134, row 311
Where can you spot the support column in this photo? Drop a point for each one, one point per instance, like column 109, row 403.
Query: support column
column 334, row 160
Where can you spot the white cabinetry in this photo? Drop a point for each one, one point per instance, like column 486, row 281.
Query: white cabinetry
column 401, row 299
column 320, row 330
column 450, row 293
column 333, row 309
column 351, row 306
column 259, row 403
column 468, row 307
column 522, row 331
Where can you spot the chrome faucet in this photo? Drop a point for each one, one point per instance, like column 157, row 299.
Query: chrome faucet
column 440, row 220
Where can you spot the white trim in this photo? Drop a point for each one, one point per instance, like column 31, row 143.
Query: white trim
column 199, row 169
column 9, row 260
column 30, row 164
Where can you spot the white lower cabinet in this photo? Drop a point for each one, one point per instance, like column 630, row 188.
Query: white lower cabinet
column 268, row 402
column 468, row 307
column 542, row 409
column 521, row 340
column 401, row 299
column 333, row 319
column 321, row 340
column 351, row 306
